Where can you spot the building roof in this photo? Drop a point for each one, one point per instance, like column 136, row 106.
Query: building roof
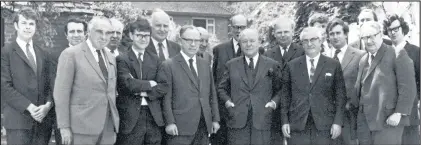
column 212, row 8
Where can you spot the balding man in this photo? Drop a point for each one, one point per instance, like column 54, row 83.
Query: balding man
column 85, row 89
column 114, row 44
column 160, row 46
column 385, row 87
column 204, row 50
column 313, row 111
column 249, row 91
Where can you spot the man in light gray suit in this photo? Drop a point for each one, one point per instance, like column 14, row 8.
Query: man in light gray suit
column 85, row 89
column 349, row 57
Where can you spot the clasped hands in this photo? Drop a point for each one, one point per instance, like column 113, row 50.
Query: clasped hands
column 39, row 112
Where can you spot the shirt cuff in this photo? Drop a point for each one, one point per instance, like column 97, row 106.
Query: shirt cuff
column 273, row 102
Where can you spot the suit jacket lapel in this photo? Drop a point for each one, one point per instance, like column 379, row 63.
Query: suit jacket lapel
column 291, row 52
column 40, row 59
column 91, row 59
column 110, row 62
column 186, row 68
column 20, row 52
column 304, row 70
column 375, row 62
column 135, row 64
column 200, row 71
column 348, row 56
column 319, row 68
column 277, row 55
column 241, row 67
column 261, row 68
column 147, row 64
column 171, row 49
column 230, row 50
column 151, row 47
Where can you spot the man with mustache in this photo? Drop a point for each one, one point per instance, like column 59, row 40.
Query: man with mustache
column 396, row 28
column 161, row 46
column 349, row 57
column 114, row 44
column 25, row 85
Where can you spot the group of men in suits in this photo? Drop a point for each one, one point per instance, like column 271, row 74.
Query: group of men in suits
column 161, row 92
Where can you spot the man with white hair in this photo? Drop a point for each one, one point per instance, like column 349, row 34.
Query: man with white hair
column 85, row 89
column 385, row 87
column 204, row 49
column 117, row 34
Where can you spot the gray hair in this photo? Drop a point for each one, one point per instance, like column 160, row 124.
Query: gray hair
column 283, row 19
column 156, row 12
column 95, row 20
column 372, row 24
column 312, row 29
column 242, row 34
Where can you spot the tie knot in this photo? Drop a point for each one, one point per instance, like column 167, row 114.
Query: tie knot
column 337, row 51
column 312, row 61
column 284, row 48
column 160, row 44
column 98, row 51
column 251, row 59
column 140, row 55
column 112, row 50
column 191, row 60
column 27, row 45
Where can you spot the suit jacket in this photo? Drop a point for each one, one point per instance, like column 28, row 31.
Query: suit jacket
column 206, row 56
column 187, row 99
column 387, row 87
column 235, row 87
column 294, row 51
column 129, row 82
column 81, row 93
column 325, row 97
column 172, row 47
column 222, row 53
column 21, row 85
column 414, row 54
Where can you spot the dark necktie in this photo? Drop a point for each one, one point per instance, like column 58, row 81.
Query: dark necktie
column 193, row 71
column 238, row 50
column 323, row 49
column 31, row 58
column 161, row 51
column 139, row 58
column 250, row 71
column 312, row 70
column 112, row 51
column 337, row 51
column 102, row 64
column 251, row 64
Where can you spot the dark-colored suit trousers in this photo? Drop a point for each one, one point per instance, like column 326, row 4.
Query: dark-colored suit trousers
column 146, row 131
column 199, row 138
column 40, row 134
column 310, row 135
column 389, row 135
column 411, row 135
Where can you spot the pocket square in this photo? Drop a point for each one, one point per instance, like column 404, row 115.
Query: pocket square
column 328, row 75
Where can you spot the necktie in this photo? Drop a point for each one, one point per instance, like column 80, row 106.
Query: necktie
column 312, row 70
column 372, row 58
column 139, row 58
column 112, row 51
column 251, row 64
column 161, row 51
column 192, row 69
column 337, row 51
column 323, row 49
column 31, row 58
column 238, row 50
column 102, row 64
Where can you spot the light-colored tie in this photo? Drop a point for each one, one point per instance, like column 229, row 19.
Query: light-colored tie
column 312, row 70
column 31, row 58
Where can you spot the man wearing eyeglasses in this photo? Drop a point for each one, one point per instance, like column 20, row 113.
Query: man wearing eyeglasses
column 386, row 89
column 190, row 105
column 114, row 44
column 396, row 28
column 140, row 94
column 221, row 54
column 313, row 111
column 204, row 49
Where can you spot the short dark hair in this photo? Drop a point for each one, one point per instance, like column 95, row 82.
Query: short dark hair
column 28, row 13
column 389, row 21
column 76, row 20
column 318, row 17
column 141, row 24
column 368, row 10
column 336, row 21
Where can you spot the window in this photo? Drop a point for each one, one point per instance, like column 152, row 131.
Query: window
column 207, row 23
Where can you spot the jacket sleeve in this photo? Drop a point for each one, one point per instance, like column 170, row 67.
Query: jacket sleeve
column 166, row 72
column 214, row 101
column 405, row 77
column 285, row 99
column 224, row 87
column 126, row 80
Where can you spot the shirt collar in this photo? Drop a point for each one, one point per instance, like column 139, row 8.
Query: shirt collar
column 280, row 47
column 235, row 42
column 343, row 49
column 92, row 48
column 155, row 43
column 137, row 53
column 316, row 59
column 22, row 43
column 187, row 57
column 254, row 59
column 400, row 46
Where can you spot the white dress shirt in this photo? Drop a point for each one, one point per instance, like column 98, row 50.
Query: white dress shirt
column 329, row 52
column 254, row 60
column 22, row 45
column 399, row 47
column 282, row 50
column 235, row 46
column 116, row 52
column 342, row 53
column 369, row 57
column 188, row 63
column 93, row 50
column 316, row 60
column 164, row 47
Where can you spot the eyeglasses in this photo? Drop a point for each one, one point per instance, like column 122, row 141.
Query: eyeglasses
column 147, row 36
column 246, row 41
column 396, row 29
column 371, row 37
column 239, row 27
column 190, row 41
column 311, row 40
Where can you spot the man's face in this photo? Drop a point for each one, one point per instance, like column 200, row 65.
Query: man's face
column 249, row 43
column 395, row 33
column 337, row 37
column 311, row 43
column 75, row 33
column 25, row 28
column 140, row 39
column 283, row 33
column 190, row 42
column 322, row 26
column 238, row 24
column 204, row 42
column 117, row 34
column 365, row 17
column 100, row 34
column 371, row 38
column 160, row 26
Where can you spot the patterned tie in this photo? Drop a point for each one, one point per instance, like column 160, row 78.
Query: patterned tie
column 312, row 70
column 337, row 51
column 161, row 51
column 372, row 58
column 102, row 65
column 139, row 58
column 251, row 64
column 193, row 71
column 238, row 50
column 31, row 58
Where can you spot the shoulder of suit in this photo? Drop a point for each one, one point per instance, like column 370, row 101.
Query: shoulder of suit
column 236, row 59
column 223, row 45
column 172, row 43
column 268, row 59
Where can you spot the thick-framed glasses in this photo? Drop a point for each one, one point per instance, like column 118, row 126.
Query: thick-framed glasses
column 147, row 36
column 396, row 29
column 190, row 41
column 239, row 27
column 247, row 41
column 371, row 37
column 311, row 40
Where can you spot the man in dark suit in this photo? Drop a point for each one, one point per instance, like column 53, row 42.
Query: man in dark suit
column 249, row 90
column 114, row 46
column 349, row 57
column 221, row 54
column 139, row 101
column 313, row 111
column 190, row 105
column 385, row 88
column 25, row 85
column 396, row 28
column 159, row 45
